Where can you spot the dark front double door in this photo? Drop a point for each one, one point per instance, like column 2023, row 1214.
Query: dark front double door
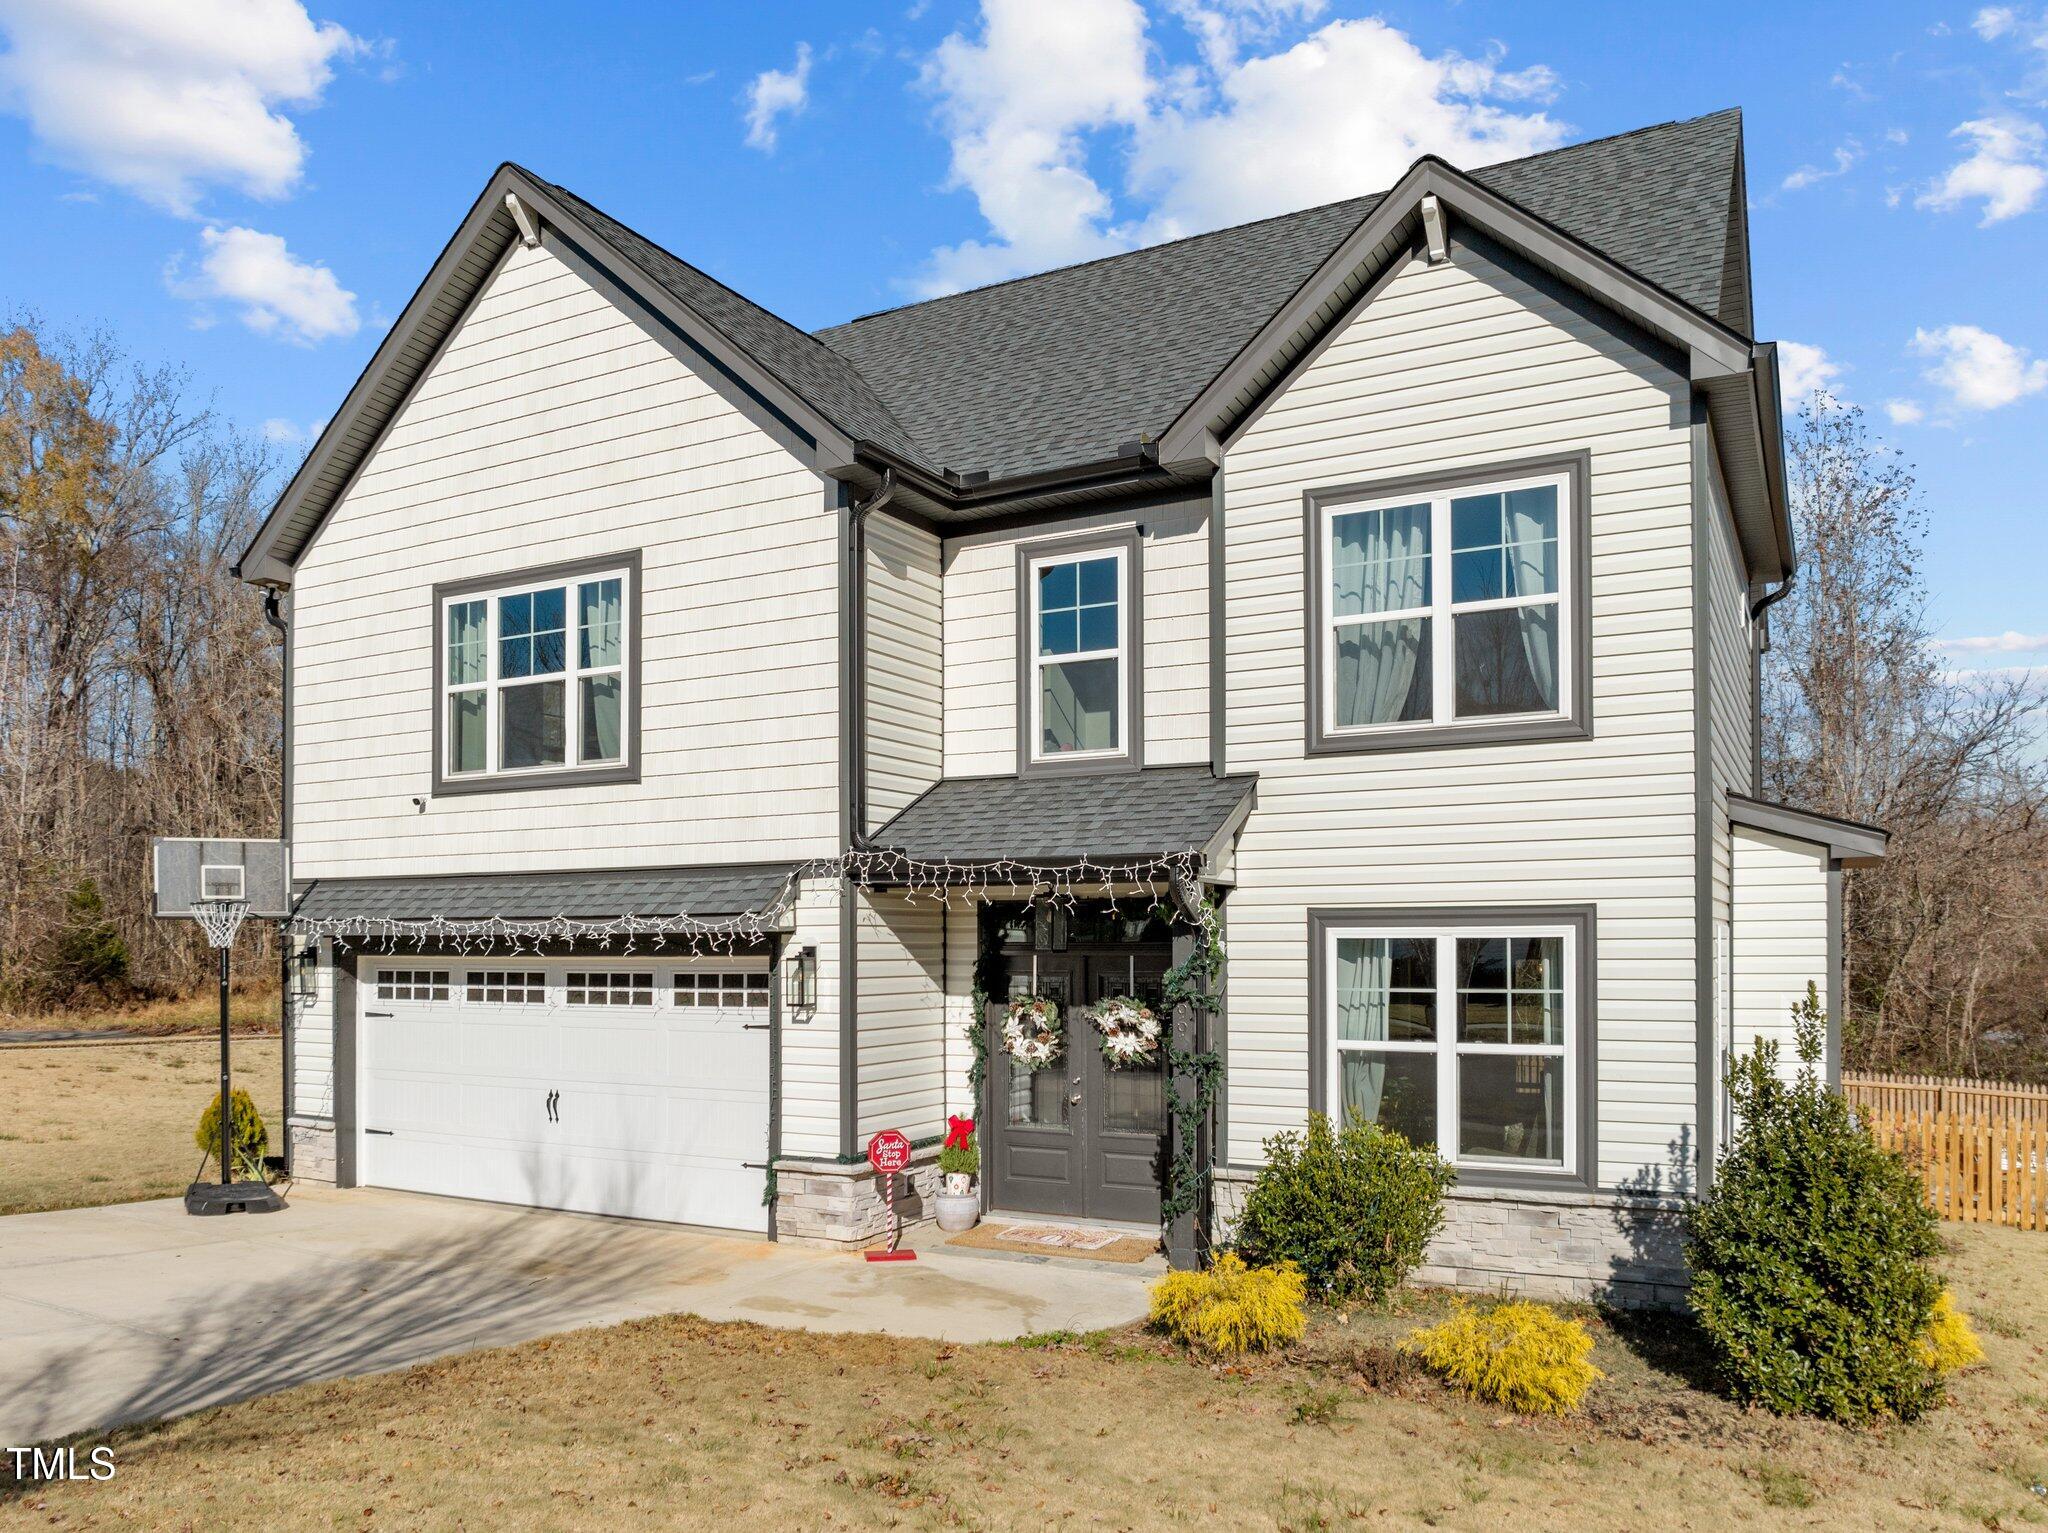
column 1081, row 1137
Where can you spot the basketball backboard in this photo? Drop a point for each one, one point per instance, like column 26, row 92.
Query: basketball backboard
column 188, row 869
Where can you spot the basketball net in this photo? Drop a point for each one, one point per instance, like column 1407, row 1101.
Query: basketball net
column 220, row 920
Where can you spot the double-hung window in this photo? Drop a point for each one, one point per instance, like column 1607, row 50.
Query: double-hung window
column 536, row 678
column 1466, row 1038
column 1078, row 684
column 1447, row 606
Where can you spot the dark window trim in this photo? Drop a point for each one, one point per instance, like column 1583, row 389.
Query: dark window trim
column 627, row 771
column 1585, row 921
column 1130, row 542
column 1576, row 724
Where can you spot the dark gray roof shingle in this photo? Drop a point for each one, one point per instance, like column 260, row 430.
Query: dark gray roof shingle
column 827, row 380
column 1067, row 366
column 1062, row 818
column 542, row 896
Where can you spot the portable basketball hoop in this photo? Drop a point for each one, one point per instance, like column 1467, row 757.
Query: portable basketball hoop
column 215, row 884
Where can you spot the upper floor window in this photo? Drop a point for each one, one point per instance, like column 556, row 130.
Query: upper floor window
column 1451, row 610
column 1079, row 691
column 536, row 678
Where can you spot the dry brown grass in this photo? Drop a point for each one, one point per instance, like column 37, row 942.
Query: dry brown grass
column 677, row 1422
column 251, row 1008
column 111, row 1122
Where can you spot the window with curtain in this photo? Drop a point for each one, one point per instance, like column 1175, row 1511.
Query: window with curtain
column 534, row 678
column 1457, row 1038
column 1080, row 675
column 1447, row 607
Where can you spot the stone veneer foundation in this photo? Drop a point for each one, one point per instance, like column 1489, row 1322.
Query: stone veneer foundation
column 312, row 1142
column 1539, row 1245
column 821, row 1203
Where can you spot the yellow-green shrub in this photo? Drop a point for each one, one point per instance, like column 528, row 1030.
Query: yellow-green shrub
column 1232, row 1308
column 1948, row 1345
column 249, row 1138
column 1520, row 1355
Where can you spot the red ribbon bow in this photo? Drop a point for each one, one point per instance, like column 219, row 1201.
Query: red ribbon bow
column 958, row 1132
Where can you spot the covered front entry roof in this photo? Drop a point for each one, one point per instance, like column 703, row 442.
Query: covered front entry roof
column 702, row 893
column 1063, row 818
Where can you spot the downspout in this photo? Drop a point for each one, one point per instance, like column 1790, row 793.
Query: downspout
column 273, row 614
column 857, row 681
column 857, row 805
column 1757, row 609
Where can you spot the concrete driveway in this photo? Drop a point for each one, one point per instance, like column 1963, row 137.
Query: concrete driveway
column 120, row 1314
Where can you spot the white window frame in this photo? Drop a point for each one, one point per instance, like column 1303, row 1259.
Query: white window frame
column 1122, row 654
column 571, row 676
column 1441, row 610
column 1447, row 1050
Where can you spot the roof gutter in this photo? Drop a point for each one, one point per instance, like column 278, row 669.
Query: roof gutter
column 979, row 490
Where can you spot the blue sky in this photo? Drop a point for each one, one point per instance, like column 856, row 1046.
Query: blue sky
column 253, row 188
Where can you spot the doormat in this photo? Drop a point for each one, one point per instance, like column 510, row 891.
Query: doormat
column 1058, row 1240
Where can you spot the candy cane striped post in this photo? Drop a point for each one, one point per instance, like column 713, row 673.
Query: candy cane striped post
column 889, row 1153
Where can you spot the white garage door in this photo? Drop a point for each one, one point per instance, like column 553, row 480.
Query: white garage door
column 631, row 1089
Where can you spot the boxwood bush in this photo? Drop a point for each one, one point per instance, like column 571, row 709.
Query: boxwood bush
column 1353, row 1208
column 1812, row 1255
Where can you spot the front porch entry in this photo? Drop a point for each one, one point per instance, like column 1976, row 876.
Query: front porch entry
column 1080, row 1138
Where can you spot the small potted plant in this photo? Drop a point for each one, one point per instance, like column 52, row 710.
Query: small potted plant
column 959, row 1200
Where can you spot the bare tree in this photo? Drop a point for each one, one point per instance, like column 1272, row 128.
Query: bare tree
column 139, row 688
column 1943, row 944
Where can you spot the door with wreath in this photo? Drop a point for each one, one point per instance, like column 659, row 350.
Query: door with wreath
column 1078, row 1119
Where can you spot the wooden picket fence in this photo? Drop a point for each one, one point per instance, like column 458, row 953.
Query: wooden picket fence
column 1978, row 1170
column 1922, row 1094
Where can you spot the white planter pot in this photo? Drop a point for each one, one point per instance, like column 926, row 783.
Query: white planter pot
column 957, row 1211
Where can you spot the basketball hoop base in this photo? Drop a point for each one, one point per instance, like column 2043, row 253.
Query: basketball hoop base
column 234, row 1198
column 890, row 1256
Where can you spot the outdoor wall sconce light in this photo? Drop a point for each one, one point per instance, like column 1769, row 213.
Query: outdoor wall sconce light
column 800, row 986
column 306, row 971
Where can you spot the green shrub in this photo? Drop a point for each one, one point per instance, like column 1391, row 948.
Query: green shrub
column 249, row 1138
column 961, row 1159
column 1231, row 1309
column 1812, row 1256
column 89, row 952
column 1520, row 1355
column 1352, row 1208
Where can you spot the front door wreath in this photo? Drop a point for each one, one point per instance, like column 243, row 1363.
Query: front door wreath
column 1033, row 1035
column 1130, row 1031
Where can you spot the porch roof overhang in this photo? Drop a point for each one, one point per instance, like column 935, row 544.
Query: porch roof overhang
column 756, row 891
column 1060, row 819
column 1849, row 842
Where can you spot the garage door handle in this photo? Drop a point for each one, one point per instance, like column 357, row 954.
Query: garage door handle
column 376, row 1013
column 384, row 1131
column 754, row 1027
column 554, row 1100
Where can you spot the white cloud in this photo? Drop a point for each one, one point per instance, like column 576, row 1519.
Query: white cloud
column 2004, row 170
column 1844, row 157
column 1804, row 370
column 290, row 433
column 277, row 294
column 1979, row 371
column 1051, row 89
column 777, row 93
column 165, row 99
column 2011, row 642
column 1904, row 412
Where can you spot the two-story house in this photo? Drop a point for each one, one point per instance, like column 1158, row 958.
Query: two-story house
column 684, row 708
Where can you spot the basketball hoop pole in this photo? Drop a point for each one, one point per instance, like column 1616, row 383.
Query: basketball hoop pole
column 221, row 919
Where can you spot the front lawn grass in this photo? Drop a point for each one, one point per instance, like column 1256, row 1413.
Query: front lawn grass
column 112, row 1122
column 675, row 1422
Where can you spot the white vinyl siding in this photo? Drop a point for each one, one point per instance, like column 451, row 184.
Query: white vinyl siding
column 981, row 640
column 905, row 687
column 312, row 1023
column 552, row 428
column 903, row 1053
column 1779, row 936
column 810, row 1040
column 1455, row 367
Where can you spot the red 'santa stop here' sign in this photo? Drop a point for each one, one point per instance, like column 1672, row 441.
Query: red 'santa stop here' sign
column 889, row 1151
